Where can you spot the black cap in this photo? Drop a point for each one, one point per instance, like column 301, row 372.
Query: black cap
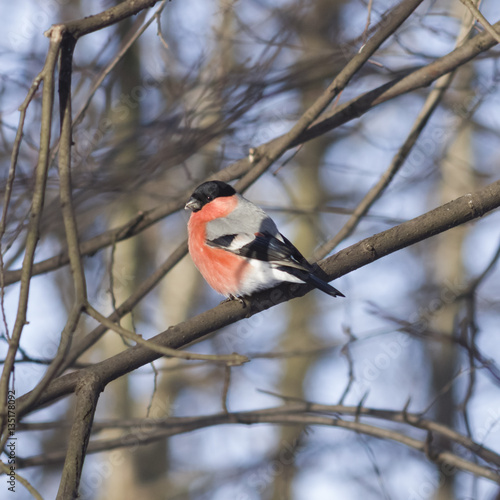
column 207, row 192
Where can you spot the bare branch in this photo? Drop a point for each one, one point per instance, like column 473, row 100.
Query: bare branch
column 47, row 75
column 87, row 395
column 106, row 18
column 276, row 148
column 421, row 77
column 229, row 359
column 431, row 103
column 301, row 413
column 33, row 492
column 443, row 218
column 265, row 154
column 477, row 14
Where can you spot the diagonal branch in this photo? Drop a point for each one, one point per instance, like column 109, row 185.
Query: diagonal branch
column 276, row 148
column 443, row 218
column 421, row 77
column 87, row 395
column 228, row 359
column 33, row 492
column 113, row 15
column 299, row 413
column 47, row 75
column 266, row 154
column 342, row 114
column 477, row 14
column 430, row 105
column 69, row 217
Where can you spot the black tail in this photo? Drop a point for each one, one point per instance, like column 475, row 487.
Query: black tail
column 313, row 280
column 323, row 286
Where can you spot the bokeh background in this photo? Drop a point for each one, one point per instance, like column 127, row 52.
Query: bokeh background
column 204, row 83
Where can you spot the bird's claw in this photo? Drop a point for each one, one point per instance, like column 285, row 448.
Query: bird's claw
column 234, row 297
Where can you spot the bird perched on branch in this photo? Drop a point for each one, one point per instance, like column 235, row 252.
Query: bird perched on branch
column 237, row 247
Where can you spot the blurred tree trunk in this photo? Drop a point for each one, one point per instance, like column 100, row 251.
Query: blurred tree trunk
column 457, row 178
column 127, row 481
column 298, row 334
column 317, row 32
column 179, row 293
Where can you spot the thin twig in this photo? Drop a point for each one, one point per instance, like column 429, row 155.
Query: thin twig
column 228, row 359
column 477, row 14
column 47, row 75
column 443, row 218
column 346, row 351
column 111, row 265
column 33, row 492
column 375, row 466
column 446, row 388
column 118, row 57
column 368, row 22
column 155, row 387
column 480, row 278
column 69, row 220
column 10, row 182
column 158, row 22
column 301, row 413
column 225, row 388
column 266, row 153
column 421, row 77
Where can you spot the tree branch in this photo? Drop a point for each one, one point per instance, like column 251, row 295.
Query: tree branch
column 113, row 15
column 299, row 413
column 276, row 148
column 47, row 75
column 87, row 394
column 443, row 218
column 421, row 77
column 266, row 154
column 338, row 116
column 227, row 359
column 69, row 218
column 430, row 105
column 398, row 161
column 477, row 15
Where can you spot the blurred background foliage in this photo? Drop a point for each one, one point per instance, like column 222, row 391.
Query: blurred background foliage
column 204, row 83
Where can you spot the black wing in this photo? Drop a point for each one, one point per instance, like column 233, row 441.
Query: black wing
column 262, row 246
column 266, row 247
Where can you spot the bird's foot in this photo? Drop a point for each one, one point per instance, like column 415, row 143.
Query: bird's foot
column 234, row 297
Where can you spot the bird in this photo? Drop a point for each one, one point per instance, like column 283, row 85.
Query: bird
column 237, row 247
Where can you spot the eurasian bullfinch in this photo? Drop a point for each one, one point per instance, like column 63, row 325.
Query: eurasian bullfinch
column 237, row 247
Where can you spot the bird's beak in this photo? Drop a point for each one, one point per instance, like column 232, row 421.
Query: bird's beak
column 193, row 204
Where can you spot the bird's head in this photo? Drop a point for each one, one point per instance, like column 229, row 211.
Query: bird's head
column 207, row 192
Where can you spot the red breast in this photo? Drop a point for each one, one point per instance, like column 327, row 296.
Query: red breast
column 221, row 269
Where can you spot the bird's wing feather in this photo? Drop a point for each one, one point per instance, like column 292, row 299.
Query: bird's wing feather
column 262, row 246
column 245, row 218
